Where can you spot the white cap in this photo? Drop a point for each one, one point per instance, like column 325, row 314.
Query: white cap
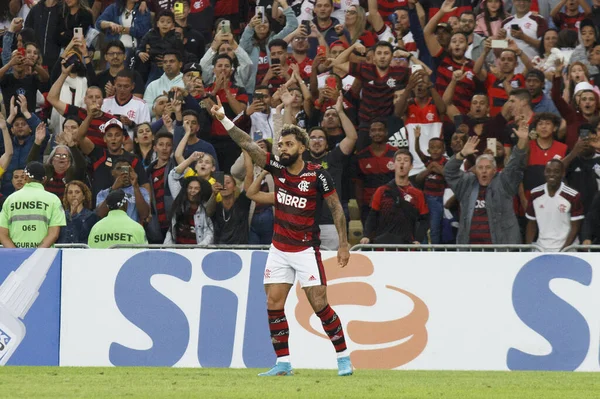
column 112, row 122
column 21, row 288
column 583, row 86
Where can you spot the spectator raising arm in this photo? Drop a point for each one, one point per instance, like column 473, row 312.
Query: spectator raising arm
column 8, row 146
column 54, row 93
column 348, row 142
column 429, row 31
column 252, row 185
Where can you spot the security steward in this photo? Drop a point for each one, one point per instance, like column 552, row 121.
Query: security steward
column 31, row 217
column 117, row 227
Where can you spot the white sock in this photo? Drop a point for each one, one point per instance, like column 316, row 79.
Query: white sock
column 283, row 359
column 343, row 353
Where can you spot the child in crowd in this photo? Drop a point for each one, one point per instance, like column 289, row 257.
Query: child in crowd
column 432, row 179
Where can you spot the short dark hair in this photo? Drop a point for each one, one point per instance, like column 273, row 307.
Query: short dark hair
column 176, row 53
column 71, row 118
column 312, row 129
column 126, row 73
column 221, row 57
column 164, row 13
column 383, row 121
column 463, row 34
column 546, row 116
column 558, row 161
column 383, row 43
column 190, row 112
column 467, row 13
column 119, row 160
column 262, row 87
column 522, row 94
column 114, row 43
column 278, row 43
column 437, row 139
column 404, row 151
column 162, row 135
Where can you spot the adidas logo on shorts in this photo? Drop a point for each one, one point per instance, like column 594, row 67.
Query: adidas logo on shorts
column 312, row 278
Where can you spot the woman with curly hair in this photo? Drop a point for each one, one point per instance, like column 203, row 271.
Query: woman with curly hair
column 77, row 202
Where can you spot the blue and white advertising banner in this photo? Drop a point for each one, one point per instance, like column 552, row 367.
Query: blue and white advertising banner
column 400, row 310
column 29, row 307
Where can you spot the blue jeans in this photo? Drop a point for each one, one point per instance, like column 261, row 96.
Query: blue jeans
column 261, row 228
column 436, row 213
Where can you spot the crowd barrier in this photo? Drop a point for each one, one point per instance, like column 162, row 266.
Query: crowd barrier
column 401, row 310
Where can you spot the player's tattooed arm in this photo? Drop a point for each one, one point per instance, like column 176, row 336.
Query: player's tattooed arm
column 339, row 220
column 241, row 138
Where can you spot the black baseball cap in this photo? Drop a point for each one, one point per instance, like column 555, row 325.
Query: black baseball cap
column 115, row 199
column 191, row 67
column 35, row 171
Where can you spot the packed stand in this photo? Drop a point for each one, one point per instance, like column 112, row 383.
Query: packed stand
column 454, row 122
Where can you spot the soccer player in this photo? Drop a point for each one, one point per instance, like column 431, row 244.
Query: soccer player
column 300, row 188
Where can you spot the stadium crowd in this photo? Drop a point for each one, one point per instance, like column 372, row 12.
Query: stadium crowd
column 469, row 122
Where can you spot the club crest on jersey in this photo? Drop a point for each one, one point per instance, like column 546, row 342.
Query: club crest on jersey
column 390, row 165
column 407, row 197
column 391, row 82
column 469, row 75
column 430, row 116
column 303, row 186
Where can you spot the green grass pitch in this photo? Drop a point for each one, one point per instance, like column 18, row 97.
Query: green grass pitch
column 134, row 382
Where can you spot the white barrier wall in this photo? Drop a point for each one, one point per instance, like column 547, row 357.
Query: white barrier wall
column 408, row 310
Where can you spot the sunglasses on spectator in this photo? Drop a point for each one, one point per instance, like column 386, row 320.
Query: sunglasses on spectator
column 351, row 12
column 61, row 156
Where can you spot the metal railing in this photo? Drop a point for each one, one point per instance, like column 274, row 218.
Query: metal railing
column 581, row 248
column 181, row 246
column 447, row 248
column 72, row 246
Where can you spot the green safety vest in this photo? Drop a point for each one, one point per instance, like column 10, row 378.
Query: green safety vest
column 116, row 228
column 29, row 212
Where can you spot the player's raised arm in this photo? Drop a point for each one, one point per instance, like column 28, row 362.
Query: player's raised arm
column 243, row 139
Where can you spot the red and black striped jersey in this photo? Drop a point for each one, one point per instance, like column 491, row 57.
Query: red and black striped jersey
column 538, row 158
column 435, row 184
column 263, row 66
column 186, row 227
column 465, row 88
column 564, row 21
column 386, row 7
column 497, row 93
column 433, row 6
column 374, row 170
column 480, row 225
column 298, row 203
column 95, row 133
column 158, row 186
column 378, row 91
column 56, row 185
column 240, row 95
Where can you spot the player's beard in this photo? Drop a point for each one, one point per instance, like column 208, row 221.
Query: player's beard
column 289, row 160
